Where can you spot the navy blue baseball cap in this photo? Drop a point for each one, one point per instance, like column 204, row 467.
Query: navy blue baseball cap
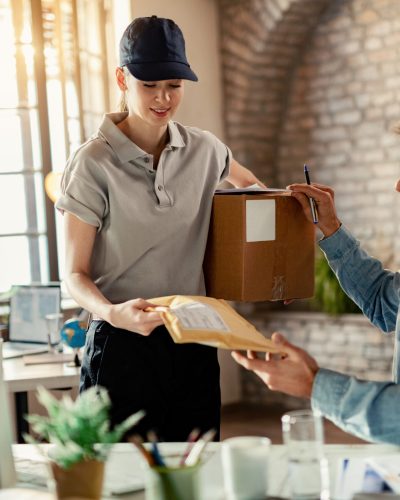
column 153, row 48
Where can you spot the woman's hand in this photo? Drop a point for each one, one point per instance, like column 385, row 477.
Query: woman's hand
column 324, row 197
column 131, row 316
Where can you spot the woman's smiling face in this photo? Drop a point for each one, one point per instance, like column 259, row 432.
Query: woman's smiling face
column 154, row 102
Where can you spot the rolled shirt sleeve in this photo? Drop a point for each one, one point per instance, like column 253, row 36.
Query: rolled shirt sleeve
column 223, row 154
column 83, row 191
column 228, row 161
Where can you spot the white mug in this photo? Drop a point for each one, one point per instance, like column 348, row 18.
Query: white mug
column 245, row 467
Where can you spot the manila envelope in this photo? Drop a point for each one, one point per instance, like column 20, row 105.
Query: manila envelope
column 209, row 321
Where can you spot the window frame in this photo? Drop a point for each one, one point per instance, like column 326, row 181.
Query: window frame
column 105, row 30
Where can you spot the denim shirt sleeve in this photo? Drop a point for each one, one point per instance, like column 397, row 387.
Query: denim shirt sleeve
column 374, row 289
column 369, row 410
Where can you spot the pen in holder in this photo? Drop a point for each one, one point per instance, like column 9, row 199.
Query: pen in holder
column 172, row 482
column 173, row 476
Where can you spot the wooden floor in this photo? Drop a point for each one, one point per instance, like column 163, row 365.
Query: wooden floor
column 247, row 420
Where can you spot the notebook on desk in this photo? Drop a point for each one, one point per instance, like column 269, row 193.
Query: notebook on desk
column 29, row 305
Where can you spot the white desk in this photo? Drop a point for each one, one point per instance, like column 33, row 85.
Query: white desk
column 21, row 378
column 126, row 459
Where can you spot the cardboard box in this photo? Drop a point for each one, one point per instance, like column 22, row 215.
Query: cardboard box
column 260, row 247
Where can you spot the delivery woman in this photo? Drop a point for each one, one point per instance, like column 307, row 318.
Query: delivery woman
column 136, row 199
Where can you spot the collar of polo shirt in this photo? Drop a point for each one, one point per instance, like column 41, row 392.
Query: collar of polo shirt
column 124, row 148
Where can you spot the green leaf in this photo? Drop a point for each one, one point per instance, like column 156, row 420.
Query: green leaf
column 79, row 429
column 329, row 297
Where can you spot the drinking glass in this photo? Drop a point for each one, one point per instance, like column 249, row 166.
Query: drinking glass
column 54, row 322
column 307, row 466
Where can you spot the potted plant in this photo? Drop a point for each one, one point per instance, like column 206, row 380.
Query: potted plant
column 82, row 438
column 329, row 297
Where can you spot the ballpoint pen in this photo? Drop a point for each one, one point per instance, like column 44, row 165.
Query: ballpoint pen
column 313, row 205
column 159, row 461
column 137, row 441
column 198, row 448
column 191, row 440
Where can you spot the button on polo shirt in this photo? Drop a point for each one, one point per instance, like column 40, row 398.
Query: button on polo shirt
column 152, row 224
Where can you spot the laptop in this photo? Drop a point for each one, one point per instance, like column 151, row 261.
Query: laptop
column 29, row 305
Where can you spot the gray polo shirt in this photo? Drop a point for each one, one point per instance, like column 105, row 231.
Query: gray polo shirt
column 152, row 224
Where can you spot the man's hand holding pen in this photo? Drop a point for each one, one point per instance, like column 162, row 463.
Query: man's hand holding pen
column 313, row 205
column 324, row 198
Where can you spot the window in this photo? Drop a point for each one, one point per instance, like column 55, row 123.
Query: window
column 54, row 89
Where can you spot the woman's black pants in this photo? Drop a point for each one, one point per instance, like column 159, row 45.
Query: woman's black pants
column 176, row 384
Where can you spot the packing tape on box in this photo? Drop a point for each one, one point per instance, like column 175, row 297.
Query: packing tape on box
column 279, row 272
column 278, row 287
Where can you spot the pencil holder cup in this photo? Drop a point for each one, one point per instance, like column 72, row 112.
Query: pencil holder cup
column 172, row 483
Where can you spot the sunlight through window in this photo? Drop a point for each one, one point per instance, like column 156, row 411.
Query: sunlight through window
column 53, row 53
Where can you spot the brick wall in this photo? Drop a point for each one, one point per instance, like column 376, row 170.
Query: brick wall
column 342, row 103
column 319, row 82
column 260, row 43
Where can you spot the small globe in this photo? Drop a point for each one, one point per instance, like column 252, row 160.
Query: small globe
column 73, row 333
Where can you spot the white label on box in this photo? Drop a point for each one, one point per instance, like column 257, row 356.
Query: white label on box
column 197, row 316
column 260, row 220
